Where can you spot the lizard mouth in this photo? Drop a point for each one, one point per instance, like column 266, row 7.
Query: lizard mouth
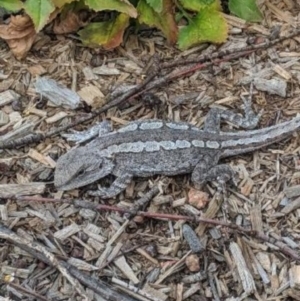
column 69, row 185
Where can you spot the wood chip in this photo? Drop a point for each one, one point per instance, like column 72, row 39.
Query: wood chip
column 3, row 213
column 154, row 292
column 8, row 97
column 82, row 265
column 92, row 96
column 57, row 93
column 123, row 266
column 235, row 21
column 282, row 72
column 10, row 190
column 293, row 191
column 22, row 273
column 56, row 117
column 294, row 274
column 272, row 86
column 243, row 271
column 4, row 119
column 46, row 160
column 67, row 232
column 256, row 218
column 89, row 74
column 37, row 70
column 105, row 70
column 291, row 207
column 37, row 112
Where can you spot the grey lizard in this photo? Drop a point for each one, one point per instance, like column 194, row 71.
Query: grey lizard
column 150, row 147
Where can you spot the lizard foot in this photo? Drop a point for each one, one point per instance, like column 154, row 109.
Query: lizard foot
column 115, row 188
column 105, row 193
column 221, row 173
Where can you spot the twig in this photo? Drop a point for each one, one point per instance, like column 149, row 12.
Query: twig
column 185, row 71
column 259, row 235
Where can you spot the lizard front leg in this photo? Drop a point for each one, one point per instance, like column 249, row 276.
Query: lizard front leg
column 120, row 184
column 97, row 130
column 214, row 116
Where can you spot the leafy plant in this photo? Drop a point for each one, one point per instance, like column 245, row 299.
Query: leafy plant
column 185, row 22
column 245, row 9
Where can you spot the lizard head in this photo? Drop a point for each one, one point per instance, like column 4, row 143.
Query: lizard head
column 80, row 167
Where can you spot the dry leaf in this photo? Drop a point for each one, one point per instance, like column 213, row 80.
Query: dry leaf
column 71, row 22
column 19, row 35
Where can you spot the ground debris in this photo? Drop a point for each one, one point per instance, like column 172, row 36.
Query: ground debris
column 149, row 258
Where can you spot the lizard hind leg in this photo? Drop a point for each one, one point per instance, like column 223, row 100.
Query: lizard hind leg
column 222, row 173
column 250, row 121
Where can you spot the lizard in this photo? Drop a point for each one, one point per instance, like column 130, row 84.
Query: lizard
column 145, row 148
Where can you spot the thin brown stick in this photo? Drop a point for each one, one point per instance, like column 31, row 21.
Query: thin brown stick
column 259, row 235
column 185, row 71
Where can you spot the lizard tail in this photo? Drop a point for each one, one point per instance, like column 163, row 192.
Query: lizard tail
column 247, row 141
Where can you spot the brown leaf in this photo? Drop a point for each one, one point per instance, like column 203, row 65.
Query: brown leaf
column 19, row 35
column 71, row 22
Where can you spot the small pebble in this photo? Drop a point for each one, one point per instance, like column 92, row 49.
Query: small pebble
column 197, row 198
column 192, row 263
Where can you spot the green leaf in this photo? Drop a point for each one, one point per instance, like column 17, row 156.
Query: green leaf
column 157, row 5
column 245, row 9
column 207, row 26
column 165, row 21
column 61, row 3
column 108, row 34
column 122, row 6
column 39, row 11
column 198, row 5
column 11, row 5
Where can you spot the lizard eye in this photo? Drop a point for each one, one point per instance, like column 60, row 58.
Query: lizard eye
column 81, row 172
